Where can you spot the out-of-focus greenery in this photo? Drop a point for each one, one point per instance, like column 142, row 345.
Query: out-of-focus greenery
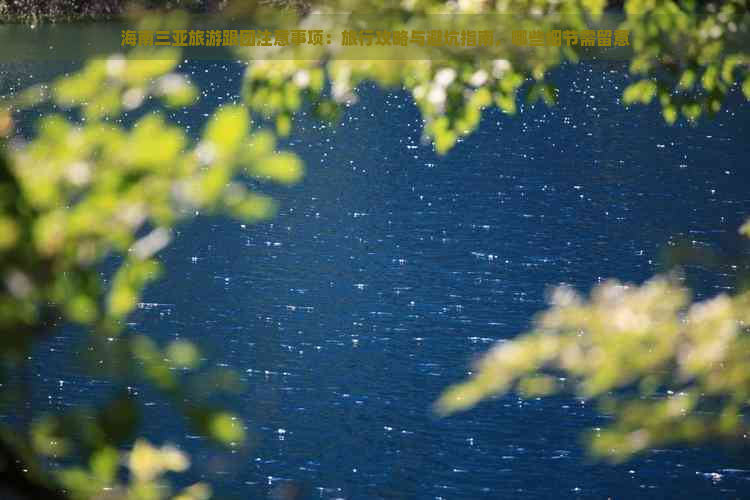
column 666, row 369
column 91, row 187
column 88, row 189
column 450, row 86
column 686, row 54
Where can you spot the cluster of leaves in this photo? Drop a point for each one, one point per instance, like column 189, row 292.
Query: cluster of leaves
column 146, row 467
column 108, row 177
column 689, row 54
column 667, row 369
column 451, row 87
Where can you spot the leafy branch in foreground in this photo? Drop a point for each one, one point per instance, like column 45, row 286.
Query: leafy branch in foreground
column 688, row 55
column 104, row 179
column 667, row 369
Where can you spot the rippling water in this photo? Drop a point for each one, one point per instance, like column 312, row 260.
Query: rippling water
column 389, row 268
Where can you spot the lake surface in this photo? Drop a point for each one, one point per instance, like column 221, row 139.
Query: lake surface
column 390, row 268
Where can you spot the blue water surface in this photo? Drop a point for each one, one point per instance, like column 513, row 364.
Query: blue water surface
column 390, row 268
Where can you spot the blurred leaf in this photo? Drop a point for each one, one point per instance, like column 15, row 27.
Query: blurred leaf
column 183, row 354
column 642, row 91
column 227, row 130
column 285, row 168
column 104, row 464
column 226, row 428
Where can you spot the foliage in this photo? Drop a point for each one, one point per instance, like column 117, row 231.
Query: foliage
column 688, row 54
column 107, row 180
column 450, row 88
column 667, row 369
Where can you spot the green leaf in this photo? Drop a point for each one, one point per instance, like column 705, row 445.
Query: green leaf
column 153, row 144
column 226, row 428
column 692, row 111
column 227, row 130
column 127, row 285
column 709, row 77
column 687, row 80
column 670, row 114
column 642, row 91
column 507, row 103
column 183, row 354
column 78, row 481
column 104, row 464
column 285, row 168
column 745, row 229
column 251, row 207
column 141, row 70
